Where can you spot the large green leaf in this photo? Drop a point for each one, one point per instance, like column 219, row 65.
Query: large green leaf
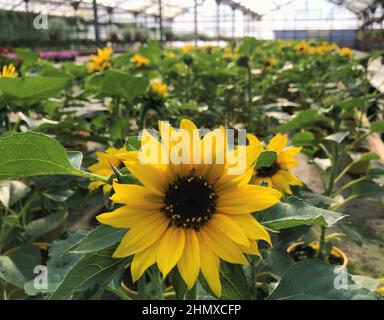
column 301, row 120
column 100, row 238
column 17, row 267
column 122, row 85
column 33, row 154
column 28, row 91
column 295, row 212
column 94, row 269
column 377, row 126
column 316, row 280
column 368, row 189
column 59, row 263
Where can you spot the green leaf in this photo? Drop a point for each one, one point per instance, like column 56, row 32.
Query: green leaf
column 133, row 143
column 351, row 233
column 303, row 138
column 279, row 261
column 17, row 268
column 40, row 227
column 94, row 269
column 302, row 120
column 351, row 104
column 377, row 126
column 248, row 45
column 25, row 92
column 59, row 263
column 26, row 55
column 234, row 285
column 266, row 159
column 178, row 284
column 122, row 85
column 32, row 154
column 368, row 189
column 316, row 280
column 337, row 137
column 100, row 238
column 296, row 212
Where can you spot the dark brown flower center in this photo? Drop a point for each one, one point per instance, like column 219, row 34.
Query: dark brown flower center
column 190, row 202
column 268, row 171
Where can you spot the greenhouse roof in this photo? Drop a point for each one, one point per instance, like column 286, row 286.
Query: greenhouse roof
column 170, row 8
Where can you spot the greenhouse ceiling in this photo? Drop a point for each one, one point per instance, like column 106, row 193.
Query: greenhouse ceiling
column 170, row 8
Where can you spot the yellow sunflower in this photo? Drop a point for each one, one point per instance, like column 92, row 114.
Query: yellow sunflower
column 140, row 61
column 103, row 166
column 100, row 62
column 302, row 47
column 270, row 63
column 187, row 48
column 192, row 214
column 159, row 88
column 278, row 175
column 346, row 52
column 8, row 71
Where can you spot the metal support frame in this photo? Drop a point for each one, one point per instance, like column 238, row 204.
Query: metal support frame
column 161, row 22
column 195, row 23
column 218, row 19
column 96, row 22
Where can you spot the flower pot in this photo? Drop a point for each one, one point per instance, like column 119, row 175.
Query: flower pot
column 130, row 288
column 337, row 257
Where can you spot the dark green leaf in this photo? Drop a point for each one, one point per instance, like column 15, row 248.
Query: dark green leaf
column 39, row 227
column 266, row 159
column 295, row 212
column 316, row 280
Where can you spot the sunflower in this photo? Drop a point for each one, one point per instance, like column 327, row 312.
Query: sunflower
column 8, row 71
column 346, row 52
column 103, row 166
column 140, row 61
column 187, row 48
column 189, row 215
column 159, row 88
column 100, row 62
column 302, row 47
column 270, row 63
column 278, row 175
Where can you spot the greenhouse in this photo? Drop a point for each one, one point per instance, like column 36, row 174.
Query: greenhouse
column 191, row 150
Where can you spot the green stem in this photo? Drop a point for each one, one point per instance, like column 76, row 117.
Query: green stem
column 349, row 184
column 344, row 202
column 249, row 93
column 141, row 288
column 90, row 175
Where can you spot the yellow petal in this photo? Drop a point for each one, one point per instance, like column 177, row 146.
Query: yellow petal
column 136, row 196
column 252, row 228
column 280, row 181
column 222, row 246
column 150, row 175
column 278, row 143
column 247, row 199
column 142, row 235
column 170, row 249
column 124, row 217
column 189, row 263
column 210, row 266
column 223, row 223
column 142, row 261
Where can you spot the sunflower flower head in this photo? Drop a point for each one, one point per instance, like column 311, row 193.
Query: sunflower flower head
column 270, row 63
column 187, row 48
column 140, row 61
column 171, row 54
column 193, row 209
column 159, row 88
column 302, row 47
column 8, row 71
column 101, row 61
column 346, row 52
column 103, row 167
column 278, row 175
